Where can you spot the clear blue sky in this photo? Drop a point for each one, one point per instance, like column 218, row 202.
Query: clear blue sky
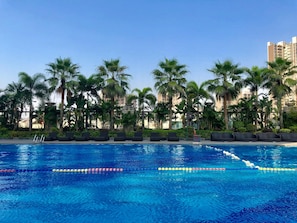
column 140, row 33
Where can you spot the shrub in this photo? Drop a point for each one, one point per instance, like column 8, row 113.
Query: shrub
column 237, row 125
column 293, row 128
column 54, row 129
column 241, row 129
column 251, row 128
column 285, row 130
column 3, row 131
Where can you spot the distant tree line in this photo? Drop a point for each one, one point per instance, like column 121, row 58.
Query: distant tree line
column 88, row 99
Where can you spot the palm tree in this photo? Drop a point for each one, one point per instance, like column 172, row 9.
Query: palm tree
column 195, row 95
column 116, row 83
column 102, row 111
column 279, row 82
column 91, row 86
column 245, row 111
column 84, row 92
column 18, row 98
column 161, row 113
column 35, row 87
column 182, row 109
column 63, row 71
column 4, row 108
column 227, row 83
column 170, row 81
column 265, row 106
column 255, row 79
column 210, row 118
column 145, row 100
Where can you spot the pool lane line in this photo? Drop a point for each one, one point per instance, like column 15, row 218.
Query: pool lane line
column 88, row 170
column 190, row 169
column 7, row 170
column 275, row 169
column 113, row 169
column 233, row 156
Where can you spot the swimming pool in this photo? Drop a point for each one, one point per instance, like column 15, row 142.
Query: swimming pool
column 147, row 183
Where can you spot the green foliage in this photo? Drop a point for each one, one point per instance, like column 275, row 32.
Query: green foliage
column 170, row 81
column 241, row 129
column 22, row 134
column 279, row 80
column 285, row 130
column 293, row 128
column 129, row 120
column 50, row 117
column 84, row 104
column 237, row 125
column 145, row 99
column 211, row 119
column 161, row 112
column 204, row 133
column 290, row 117
column 116, row 83
column 188, row 132
column 3, row 131
column 251, row 128
column 227, row 83
column 54, row 129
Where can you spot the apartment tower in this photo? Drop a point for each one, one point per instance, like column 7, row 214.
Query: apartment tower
column 283, row 50
column 287, row 51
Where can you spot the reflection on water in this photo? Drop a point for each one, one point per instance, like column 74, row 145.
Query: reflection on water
column 23, row 156
column 276, row 156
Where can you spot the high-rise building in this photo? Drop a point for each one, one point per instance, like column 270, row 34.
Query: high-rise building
column 286, row 51
column 283, row 50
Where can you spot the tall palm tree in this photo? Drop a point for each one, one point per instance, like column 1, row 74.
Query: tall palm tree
column 145, row 100
column 84, row 91
column 63, row 71
column 18, row 98
column 195, row 96
column 255, row 79
column 265, row 106
column 245, row 111
column 161, row 113
column 115, row 83
column 35, row 87
column 5, row 109
column 170, row 81
column 279, row 81
column 90, row 85
column 227, row 84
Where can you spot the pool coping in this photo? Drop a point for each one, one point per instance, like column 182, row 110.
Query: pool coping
column 147, row 141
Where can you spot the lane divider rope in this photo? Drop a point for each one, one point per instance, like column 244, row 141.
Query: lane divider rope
column 113, row 169
column 276, row 169
column 7, row 170
column 89, row 170
column 190, row 169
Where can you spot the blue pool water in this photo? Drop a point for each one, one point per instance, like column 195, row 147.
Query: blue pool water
column 144, row 185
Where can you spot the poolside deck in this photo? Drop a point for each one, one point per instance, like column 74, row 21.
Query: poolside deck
column 147, row 141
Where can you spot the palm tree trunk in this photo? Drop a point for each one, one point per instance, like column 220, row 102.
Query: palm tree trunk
column 30, row 116
column 15, row 119
column 62, row 110
column 257, row 110
column 280, row 110
column 225, row 112
column 142, row 118
column 112, row 114
column 170, row 113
